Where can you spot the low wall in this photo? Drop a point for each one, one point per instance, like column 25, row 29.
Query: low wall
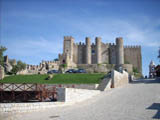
column 119, row 79
column 77, row 86
column 27, row 107
column 78, row 95
column 104, row 68
column 97, row 68
column 65, row 96
column 105, row 84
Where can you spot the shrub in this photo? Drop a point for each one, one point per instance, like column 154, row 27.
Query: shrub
column 135, row 70
column 16, row 68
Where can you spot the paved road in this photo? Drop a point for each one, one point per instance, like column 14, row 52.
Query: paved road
column 137, row 101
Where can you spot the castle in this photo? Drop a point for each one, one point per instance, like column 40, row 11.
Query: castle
column 95, row 57
column 88, row 53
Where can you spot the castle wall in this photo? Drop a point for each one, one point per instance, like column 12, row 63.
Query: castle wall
column 132, row 55
column 102, row 53
column 112, row 54
column 93, row 54
column 97, row 68
column 81, row 53
column 75, row 53
column 105, row 53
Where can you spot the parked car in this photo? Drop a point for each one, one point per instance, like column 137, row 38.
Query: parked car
column 80, row 71
column 71, row 71
column 52, row 71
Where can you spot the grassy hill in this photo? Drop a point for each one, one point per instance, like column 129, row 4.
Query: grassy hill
column 57, row 79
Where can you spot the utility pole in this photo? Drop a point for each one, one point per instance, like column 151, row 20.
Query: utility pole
column 159, row 54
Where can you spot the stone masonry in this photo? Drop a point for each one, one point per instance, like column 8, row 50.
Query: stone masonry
column 100, row 53
column 94, row 57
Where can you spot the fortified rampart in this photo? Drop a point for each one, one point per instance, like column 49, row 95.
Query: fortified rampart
column 94, row 57
column 132, row 55
column 100, row 53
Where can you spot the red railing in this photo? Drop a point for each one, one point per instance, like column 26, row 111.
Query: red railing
column 27, row 92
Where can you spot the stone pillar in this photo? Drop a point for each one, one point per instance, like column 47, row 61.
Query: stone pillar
column 119, row 51
column 98, row 50
column 88, row 50
column 1, row 72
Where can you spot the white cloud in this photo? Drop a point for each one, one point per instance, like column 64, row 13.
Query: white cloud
column 29, row 47
column 140, row 33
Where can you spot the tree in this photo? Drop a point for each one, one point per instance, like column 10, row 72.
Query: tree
column 56, row 59
column 2, row 49
column 20, row 66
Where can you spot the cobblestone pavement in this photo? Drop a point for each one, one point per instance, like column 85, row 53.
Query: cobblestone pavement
column 137, row 101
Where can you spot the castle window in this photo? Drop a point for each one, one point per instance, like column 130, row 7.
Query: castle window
column 93, row 51
column 64, row 61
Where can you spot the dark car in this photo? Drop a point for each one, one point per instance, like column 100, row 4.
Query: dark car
column 71, row 71
column 52, row 71
column 81, row 71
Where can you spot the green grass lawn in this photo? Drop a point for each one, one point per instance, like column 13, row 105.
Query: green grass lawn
column 57, row 79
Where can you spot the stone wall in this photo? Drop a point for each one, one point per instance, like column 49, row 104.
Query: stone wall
column 132, row 55
column 98, row 68
column 107, row 53
column 105, row 84
column 112, row 54
column 129, row 67
column 75, row 95
column 1, row 72
column 93, row 54
column 119, row 79
column 77, row 86
column 27, row 107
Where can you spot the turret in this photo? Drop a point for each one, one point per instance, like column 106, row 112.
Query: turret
column 88, row 50
column 98, row 49
column 68, row 46
column 119, row 51
column 152, row 72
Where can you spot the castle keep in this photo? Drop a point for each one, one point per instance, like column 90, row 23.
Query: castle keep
column 85, row 54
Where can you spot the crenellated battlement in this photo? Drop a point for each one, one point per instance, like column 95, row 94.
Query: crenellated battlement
column 93, row 44
column 52, row 62
column 68, row 38
column 111, row 44
column 132, row 46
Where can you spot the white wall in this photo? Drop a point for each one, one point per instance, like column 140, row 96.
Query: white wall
column 75, row 95
column 119, row 79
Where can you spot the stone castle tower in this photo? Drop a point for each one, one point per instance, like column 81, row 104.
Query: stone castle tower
column 100, row 53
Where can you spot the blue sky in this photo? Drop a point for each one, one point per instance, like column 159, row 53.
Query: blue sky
column 33, row 30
